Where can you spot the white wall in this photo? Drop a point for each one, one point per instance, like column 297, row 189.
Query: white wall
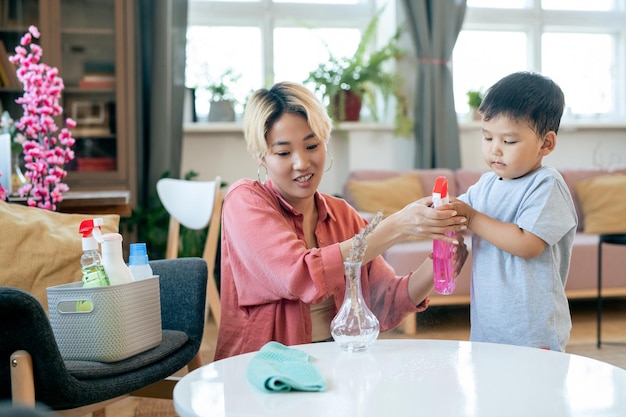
column 219, row 149
column 577, row 145
column 213, row 149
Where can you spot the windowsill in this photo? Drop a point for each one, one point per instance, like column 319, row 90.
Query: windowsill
column 566, row 126
column 237, row 127
column 223, row 127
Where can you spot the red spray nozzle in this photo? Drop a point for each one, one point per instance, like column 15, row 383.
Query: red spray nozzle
column 441, row 187
column 87, row 227
column 440, row 191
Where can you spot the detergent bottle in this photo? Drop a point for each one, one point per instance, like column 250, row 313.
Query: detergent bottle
column 443, row 253
column 138, row 262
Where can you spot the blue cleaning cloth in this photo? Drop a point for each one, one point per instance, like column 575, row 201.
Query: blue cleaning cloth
column 278, row 368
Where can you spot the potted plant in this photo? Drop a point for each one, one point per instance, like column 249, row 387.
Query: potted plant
column 346, row 83
column 222, row 107
column 474, row 99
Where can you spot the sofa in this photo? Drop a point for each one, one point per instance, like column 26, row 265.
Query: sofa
column 599, row 196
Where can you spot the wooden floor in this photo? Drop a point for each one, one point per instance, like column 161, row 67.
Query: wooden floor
column 452, row 323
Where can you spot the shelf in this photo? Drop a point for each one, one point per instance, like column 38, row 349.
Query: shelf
column 82, row 37
column 92, row 202
column 87, row 31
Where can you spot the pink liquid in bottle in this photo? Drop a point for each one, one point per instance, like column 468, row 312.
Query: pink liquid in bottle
column 443, row 270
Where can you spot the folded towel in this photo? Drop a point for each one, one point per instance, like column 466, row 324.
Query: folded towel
column 278, row 368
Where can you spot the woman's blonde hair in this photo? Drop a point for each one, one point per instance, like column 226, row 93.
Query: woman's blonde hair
column 265, row 107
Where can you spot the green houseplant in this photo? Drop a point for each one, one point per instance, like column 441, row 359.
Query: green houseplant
column 359, row 78
column 474, row 99
column 222, row 99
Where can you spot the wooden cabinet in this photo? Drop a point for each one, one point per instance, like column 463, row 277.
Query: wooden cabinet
column 92, row 43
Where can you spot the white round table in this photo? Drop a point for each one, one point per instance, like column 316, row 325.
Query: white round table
column 417, row 378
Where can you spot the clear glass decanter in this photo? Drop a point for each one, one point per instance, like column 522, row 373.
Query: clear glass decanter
column 355, row 327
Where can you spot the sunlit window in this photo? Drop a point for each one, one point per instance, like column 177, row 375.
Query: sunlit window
column 497, row 4
column 582, row 64
column 291, row 64
column 476, row 69
column 601, row 5
column 266, row 41
column 209, row 58
column 580, row 44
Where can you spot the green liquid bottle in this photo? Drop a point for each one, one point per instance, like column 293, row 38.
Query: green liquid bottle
column 92, row 269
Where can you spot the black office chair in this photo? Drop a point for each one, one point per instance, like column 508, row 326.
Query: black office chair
column 615, row 239
column 32, row 370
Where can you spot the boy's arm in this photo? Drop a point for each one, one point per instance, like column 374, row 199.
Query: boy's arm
column 506, row 236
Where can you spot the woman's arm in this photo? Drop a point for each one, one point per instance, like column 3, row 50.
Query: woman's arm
column 417, row 219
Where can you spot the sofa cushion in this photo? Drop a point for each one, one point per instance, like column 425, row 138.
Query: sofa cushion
column 42, row 248
column 603, row 202
column 427, row 178
column 171, row 342
column 389, row 195
column 465, row 178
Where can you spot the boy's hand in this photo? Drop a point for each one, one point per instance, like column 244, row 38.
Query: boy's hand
column 463, row 209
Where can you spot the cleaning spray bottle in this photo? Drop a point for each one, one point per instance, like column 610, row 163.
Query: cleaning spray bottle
column 94, row 274
column 113, row 259
column 443, row 271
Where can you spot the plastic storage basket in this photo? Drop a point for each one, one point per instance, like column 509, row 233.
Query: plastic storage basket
column 105, row 324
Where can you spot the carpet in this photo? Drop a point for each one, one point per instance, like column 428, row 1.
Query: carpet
column 615, row 354
column 155, row 407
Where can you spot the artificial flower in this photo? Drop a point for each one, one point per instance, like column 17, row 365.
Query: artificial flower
column 45, row 152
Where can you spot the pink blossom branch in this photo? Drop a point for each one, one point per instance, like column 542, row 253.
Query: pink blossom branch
column 45, row 153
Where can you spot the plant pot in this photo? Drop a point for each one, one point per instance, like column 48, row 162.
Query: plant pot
column 347, row 106
column 475, row 114
column 222, row 111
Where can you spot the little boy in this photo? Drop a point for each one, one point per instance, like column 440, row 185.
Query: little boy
column 522, row 219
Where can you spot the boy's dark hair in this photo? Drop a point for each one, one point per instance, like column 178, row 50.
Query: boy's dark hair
column 526, row 96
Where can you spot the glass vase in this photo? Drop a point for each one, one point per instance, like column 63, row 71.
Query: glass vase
column 355, row 327
column 17, row 177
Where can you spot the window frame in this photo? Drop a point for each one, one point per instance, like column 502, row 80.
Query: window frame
column 534, row 21
column 267, row 15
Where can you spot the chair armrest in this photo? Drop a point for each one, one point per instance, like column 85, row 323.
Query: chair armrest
column 24, row 325
column 183, row 284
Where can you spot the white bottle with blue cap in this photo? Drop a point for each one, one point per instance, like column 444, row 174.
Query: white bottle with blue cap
column 138, row 262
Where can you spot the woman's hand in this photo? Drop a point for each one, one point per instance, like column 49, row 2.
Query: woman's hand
column 420, row 219
column 460, row 254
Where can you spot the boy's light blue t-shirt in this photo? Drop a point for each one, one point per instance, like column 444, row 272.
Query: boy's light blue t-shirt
column 515, row 300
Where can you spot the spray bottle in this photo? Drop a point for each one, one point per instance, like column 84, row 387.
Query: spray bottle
column 443, row 271
column 94, row 274
column 113, row 259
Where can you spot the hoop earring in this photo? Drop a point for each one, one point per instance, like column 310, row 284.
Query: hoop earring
column 258, row 174
column 331, row 161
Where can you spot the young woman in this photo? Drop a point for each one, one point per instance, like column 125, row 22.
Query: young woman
column 284, row 242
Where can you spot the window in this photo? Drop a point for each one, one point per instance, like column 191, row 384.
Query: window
column 266, row 41
column 580, row 44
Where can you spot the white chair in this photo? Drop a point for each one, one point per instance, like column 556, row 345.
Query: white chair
column 196, row 205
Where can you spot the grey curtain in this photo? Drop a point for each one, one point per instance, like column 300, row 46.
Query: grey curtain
column 434, row 26
column 161, row 35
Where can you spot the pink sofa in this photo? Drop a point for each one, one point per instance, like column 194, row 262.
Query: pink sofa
column 582, row 281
